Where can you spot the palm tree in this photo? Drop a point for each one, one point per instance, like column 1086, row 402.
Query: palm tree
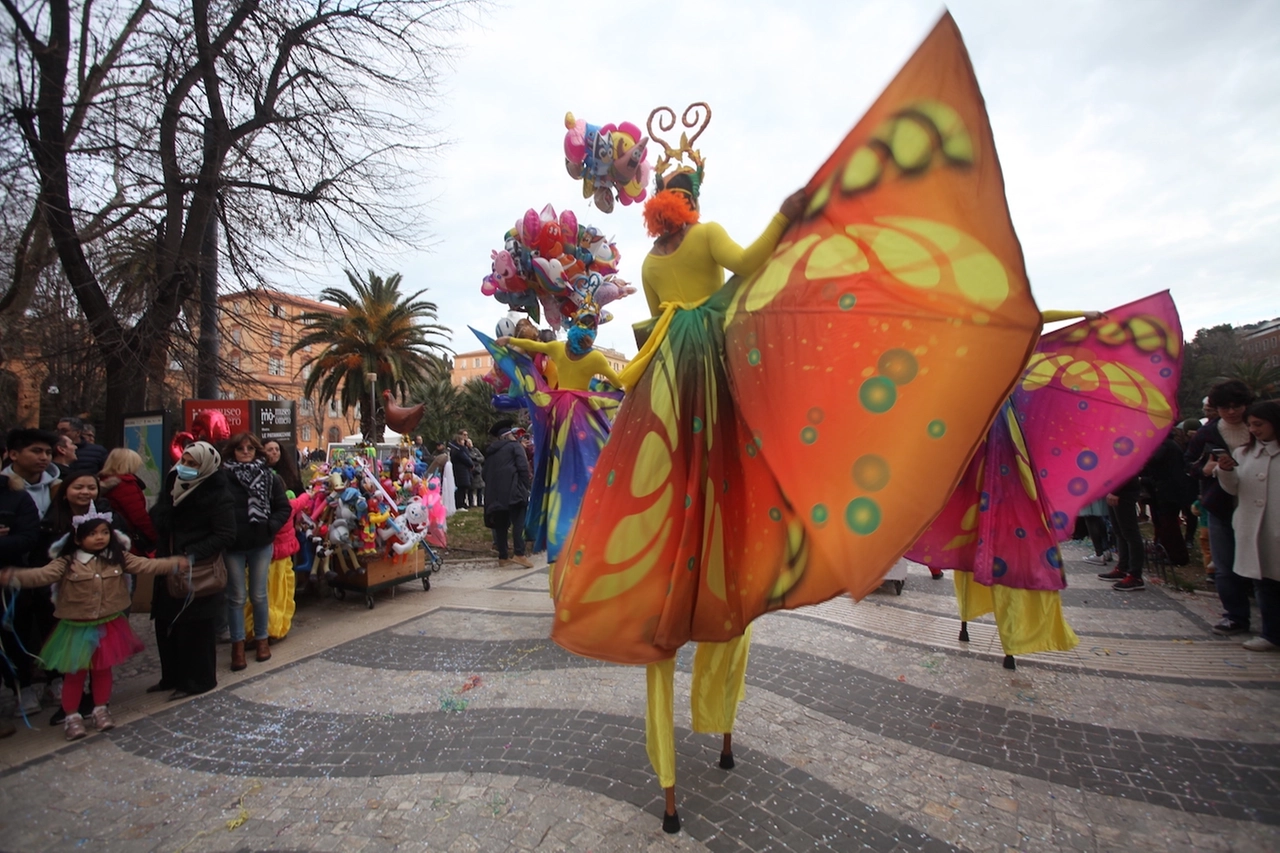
column 380, row 332
column 1262, row 380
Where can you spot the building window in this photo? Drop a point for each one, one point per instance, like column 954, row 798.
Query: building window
column 174, row 364
column 305, row 433
column 275, row 366
column 235, row 336
column 274, row 397
column 333, row 408
column 236, row 307
column 277, row 338
column 334, row 434
column 235, row 362
column 276, row 310
column 306, row 407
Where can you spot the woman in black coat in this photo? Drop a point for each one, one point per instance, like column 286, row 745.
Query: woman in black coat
column 192, row 516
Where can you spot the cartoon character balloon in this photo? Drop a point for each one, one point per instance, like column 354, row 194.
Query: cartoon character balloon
column 611, row 161
column 544, row 257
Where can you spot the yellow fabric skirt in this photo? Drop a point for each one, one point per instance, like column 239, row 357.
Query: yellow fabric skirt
column 1029, row 620
column 719, row 684
column 280, row 604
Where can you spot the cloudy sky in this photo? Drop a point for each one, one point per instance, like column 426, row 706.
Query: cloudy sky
column 1139, row 140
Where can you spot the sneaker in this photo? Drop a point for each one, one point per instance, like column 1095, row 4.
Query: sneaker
column 73, row 727
column 1260, row 644
column 1226, row 628
column 102, row 719
column 1128, row 583
column 28, row 701
column 522, row 560
column 1114, row 575
column 1097, row 559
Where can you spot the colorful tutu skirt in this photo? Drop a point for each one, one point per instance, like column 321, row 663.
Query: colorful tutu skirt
column 100, row 644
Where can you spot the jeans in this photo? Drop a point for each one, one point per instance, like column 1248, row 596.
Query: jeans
column 1097, row 528
column 257, row 563
column 512, row 517
column 1130, row 555
column 1233, row 590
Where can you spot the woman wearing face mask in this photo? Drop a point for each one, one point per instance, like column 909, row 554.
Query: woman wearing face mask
column 193, row 516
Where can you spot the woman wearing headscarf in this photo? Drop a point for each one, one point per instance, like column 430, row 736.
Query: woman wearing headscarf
column 193, row 516
column 261, row 509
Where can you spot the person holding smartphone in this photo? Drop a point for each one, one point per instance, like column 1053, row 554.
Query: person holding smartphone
column 1211, row 443
column 1252, row 473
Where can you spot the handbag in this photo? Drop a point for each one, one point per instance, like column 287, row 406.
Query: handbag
column 203, row 577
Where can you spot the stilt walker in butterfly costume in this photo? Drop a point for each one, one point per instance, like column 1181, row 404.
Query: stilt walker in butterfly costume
column 786, row 436
column 1093, row 404
column 571, row 422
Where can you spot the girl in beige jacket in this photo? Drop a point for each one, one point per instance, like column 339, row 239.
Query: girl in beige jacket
column 93, row 632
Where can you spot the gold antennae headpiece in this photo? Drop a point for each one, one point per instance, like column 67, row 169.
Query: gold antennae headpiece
column 671, row 163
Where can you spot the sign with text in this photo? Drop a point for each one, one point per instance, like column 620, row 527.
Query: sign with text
column 274, row 420
column 235, row 411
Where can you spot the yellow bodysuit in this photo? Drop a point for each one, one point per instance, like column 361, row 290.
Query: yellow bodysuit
column 689, row 275
column 573, row 374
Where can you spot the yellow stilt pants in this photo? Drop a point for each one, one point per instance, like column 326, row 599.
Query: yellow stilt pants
column 719, row 683
column 280, row 603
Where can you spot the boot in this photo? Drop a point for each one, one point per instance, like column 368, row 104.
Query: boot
column 237, row 656
column 264, row 651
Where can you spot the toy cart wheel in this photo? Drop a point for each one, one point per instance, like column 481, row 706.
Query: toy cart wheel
column 339, row 593
column 897, row 587
column 437, row 565
column 368, row 602
column 426, row 582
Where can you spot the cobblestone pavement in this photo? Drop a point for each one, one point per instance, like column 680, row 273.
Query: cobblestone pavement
column 446, row 720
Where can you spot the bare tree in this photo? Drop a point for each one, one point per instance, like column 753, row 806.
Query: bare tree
column 293, row 124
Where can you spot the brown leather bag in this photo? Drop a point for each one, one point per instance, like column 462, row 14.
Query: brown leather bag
column 207, row 576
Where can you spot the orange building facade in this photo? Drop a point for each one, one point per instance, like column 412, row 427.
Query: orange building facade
column 258, row 329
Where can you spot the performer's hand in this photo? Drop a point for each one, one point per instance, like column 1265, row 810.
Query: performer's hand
column 1226, row 462
column 503, row 341
column 1094, row 315
column 793, row 206
column 6, row 577
column 1113, row 500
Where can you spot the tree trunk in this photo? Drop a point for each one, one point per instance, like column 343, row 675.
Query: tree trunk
column 126, row 393
column 207, row 350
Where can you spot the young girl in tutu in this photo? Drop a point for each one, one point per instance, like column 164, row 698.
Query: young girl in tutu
column 93, row 633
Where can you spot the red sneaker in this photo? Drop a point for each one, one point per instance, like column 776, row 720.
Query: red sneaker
column 1129, row 583
column 1113, row 575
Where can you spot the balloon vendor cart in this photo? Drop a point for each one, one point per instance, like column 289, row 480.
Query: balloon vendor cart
column 370, row 523
column 348, row 572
